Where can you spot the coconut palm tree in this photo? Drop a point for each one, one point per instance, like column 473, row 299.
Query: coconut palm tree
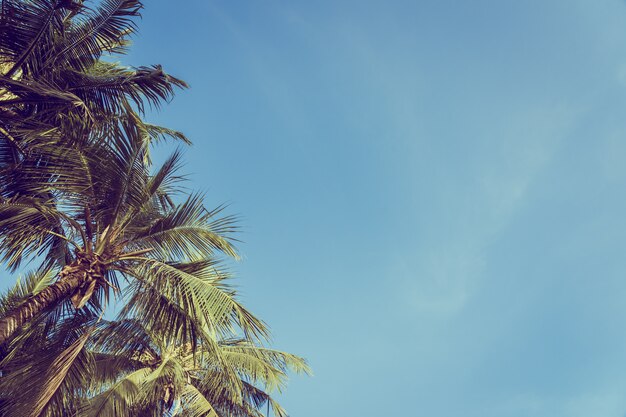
column 82, row 366
column 160, row 377
column 96, row 213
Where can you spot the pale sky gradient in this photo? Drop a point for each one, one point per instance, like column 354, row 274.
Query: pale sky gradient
column 433, row 193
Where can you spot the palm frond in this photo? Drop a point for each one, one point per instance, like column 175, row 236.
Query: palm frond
column 196, row 404
column 117, row 399
column 97, row 30
column 207, row 299
column 113, row 88
column 26, row 31
column 40, row 382
column 27, row 227
column 28, row 285
column 189, row 231
column 263, row 365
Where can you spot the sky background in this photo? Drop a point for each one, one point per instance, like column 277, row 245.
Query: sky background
column 432, row 193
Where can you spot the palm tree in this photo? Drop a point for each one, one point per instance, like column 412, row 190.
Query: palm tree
column 159, row 377
column 71, row 142
column 95, row 213
column 56, row 88
column 81, row 366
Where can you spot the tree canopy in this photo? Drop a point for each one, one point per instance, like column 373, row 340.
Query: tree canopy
column 80, row 195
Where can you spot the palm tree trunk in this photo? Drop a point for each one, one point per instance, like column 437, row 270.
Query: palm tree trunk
column 71, row 279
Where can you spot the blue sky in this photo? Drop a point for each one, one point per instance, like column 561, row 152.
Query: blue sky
column 433, row 193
